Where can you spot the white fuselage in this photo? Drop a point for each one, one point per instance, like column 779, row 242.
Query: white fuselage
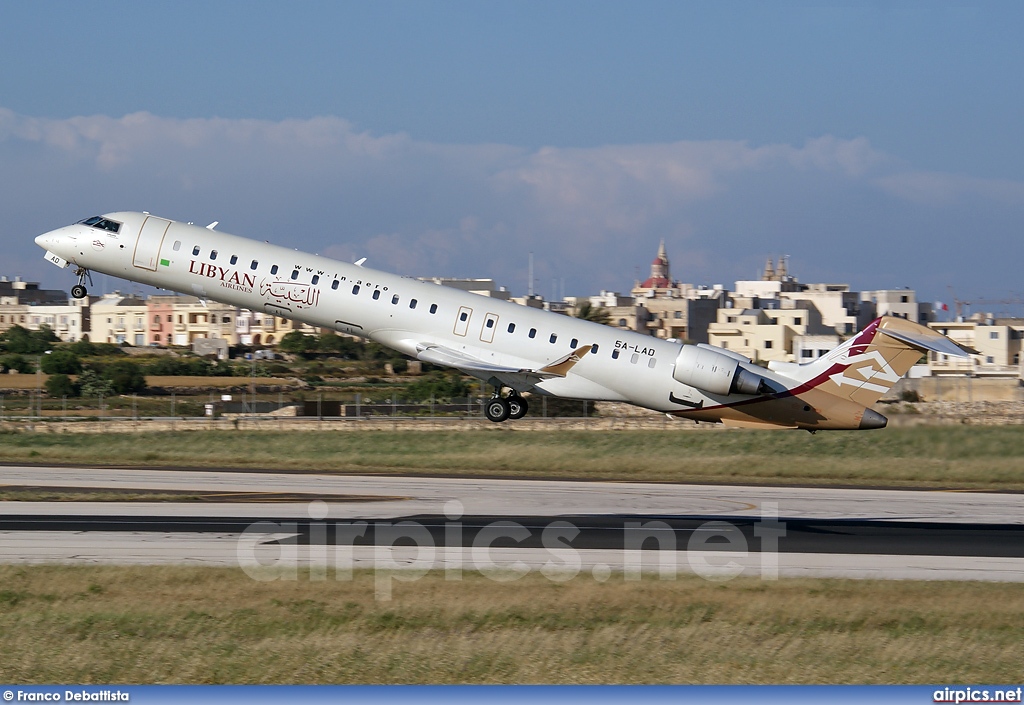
column 400, row 312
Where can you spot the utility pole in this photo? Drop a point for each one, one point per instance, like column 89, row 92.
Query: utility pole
column 529, row 281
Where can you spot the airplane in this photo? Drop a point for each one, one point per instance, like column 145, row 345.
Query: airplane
column 514, row 349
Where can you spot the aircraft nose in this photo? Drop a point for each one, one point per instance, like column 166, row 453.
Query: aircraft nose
column 43, row 241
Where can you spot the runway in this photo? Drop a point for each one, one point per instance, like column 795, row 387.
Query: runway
column 497, row 524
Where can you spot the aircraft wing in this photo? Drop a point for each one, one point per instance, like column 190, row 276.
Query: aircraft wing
column 520, row 378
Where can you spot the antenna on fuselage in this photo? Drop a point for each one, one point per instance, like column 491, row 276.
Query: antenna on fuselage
column 359, row 262
column 213, row 225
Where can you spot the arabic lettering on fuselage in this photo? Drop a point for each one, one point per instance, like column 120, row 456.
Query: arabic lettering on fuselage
column 302, row 295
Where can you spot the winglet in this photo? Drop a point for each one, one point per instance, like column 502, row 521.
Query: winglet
column 213, row 225
column 562, row 366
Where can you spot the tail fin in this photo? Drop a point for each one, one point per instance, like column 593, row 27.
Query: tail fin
column 869, row 364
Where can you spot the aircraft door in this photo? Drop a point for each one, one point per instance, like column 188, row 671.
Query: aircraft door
column 490, row 325
column 462, row 320
column 147, row 247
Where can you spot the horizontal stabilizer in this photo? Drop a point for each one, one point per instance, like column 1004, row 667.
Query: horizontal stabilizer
column 933, row 343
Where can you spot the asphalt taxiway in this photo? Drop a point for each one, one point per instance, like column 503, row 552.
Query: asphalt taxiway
column 372, row 521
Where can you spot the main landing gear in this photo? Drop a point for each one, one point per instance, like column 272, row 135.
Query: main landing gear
column 499, row 408
column 79, row 291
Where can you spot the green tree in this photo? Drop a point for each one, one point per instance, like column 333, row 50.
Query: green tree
column 60, row 385
column 18, row 363
column 297, row 342
column 83, row 348
column 439, row 386
column 125, row 377
column 91, row 384
column 23, row 341
column 61, row 361
column 338, row 345
column 595, row 314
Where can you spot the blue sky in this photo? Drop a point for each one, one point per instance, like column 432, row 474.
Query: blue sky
column 875, row 143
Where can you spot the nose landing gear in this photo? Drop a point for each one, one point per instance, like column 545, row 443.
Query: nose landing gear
column 79, row 291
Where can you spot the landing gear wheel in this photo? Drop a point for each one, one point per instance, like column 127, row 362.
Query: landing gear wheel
column 517, row 407
column 497, row 409
column 79, row 292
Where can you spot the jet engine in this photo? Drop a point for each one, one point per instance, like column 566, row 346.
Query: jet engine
column 716, row 372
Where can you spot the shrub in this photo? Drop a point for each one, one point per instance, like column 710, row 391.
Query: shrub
column 60, row 385
column 90, row 384
column 17, row 363
column 439, row 386
column 125, row 377
column 27, row 342
column 61, row 361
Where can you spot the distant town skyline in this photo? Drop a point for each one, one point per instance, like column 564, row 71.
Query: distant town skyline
column 876, row 145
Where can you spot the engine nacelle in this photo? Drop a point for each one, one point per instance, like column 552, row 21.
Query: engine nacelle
column 715, row 372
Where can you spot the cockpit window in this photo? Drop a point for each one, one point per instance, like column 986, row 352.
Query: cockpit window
column 102, row 223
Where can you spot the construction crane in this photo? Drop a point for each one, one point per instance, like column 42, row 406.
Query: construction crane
column 961, row 306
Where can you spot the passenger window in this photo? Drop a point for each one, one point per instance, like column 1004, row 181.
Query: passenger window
column 593, row 349
column 652, row 362
column 490, row 323
column 234, row 259
column 433, row 309
column 315, row 279
column 463, row 316
column 533, row 333
column 195, row 250
column 334, row 284
column 273, row 269
column 553, row 338
column 213, row 254
column 574, row 343
column 177, row 245
column 376, row 294
column 394, row 300
column 412, row 303
column 511, row 327
column 634, row 358
column 615, row 354
column 295, row 274
column 355, row 289
column 254, row 265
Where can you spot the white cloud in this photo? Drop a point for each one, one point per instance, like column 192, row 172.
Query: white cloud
column 589, row 214
column 939, row 189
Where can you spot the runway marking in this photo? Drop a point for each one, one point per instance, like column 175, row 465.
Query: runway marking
column 74, row 493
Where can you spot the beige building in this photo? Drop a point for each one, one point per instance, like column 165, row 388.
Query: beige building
column 116, row 319
column 841, row 309
column 665, row 308
column 769, row 334
column 194, row 318
column 25, row 304
column 68, row 321
column 263, row 329
column 998, row 342
column 901, row 303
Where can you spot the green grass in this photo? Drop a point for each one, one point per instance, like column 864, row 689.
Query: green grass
column 88, row 624
column 968, row 457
